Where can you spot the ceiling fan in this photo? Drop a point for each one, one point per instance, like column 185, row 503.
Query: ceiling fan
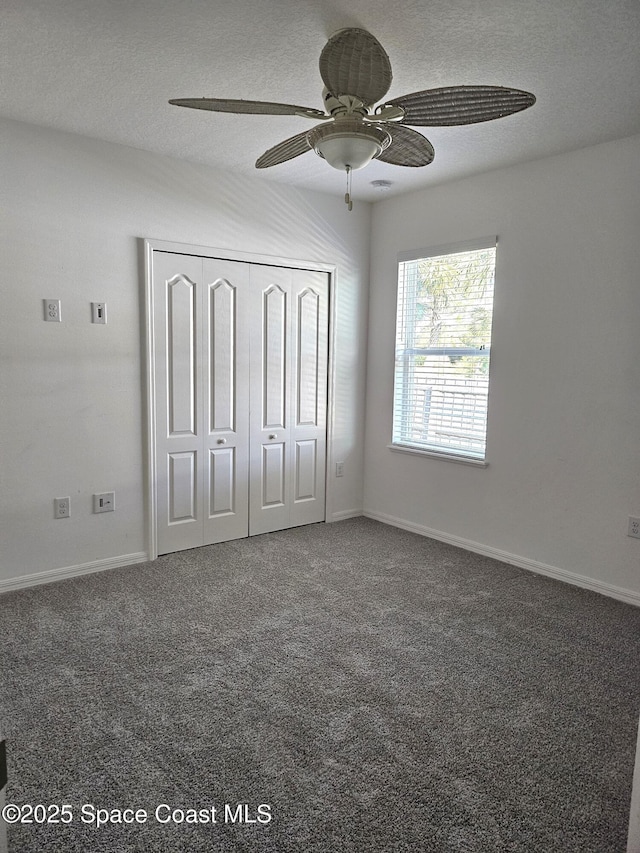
column 356, row 72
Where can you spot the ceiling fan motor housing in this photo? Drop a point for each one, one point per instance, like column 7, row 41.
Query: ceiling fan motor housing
column 348, row 142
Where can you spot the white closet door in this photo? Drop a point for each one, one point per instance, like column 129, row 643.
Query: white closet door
column 240, row 383
column 202, row 401
column 309, row 345
column 288, row 398
column 177, row 288
column 270, row 323
column 225, row 397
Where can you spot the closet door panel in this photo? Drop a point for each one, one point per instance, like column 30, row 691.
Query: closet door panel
column 308, row 361
column 183, row 486
column 223, row 482
column 272, row 360
column 177, row 283
column 273, row 476
column 223, row 324
column 181, row 355
column 306, row 470
column 310, row 300
column 225, row 368
column 270, row 323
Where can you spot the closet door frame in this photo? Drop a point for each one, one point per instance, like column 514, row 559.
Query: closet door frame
column 149, row 246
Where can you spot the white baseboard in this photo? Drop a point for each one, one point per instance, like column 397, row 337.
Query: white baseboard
column 627, row 595
column 346, row 513
column 71, row 571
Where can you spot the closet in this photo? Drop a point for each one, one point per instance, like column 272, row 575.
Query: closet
column 239, row 377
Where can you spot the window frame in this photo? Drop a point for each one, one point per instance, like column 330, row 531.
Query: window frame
column 449, row 454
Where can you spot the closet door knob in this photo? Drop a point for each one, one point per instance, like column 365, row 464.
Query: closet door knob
column 273, row 435
column 222, row 441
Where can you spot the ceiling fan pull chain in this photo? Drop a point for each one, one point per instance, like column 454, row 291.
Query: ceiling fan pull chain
column 347, row 195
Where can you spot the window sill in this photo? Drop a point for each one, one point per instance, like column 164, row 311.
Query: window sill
column 433, row 454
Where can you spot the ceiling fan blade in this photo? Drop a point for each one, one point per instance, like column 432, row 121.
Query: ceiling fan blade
column 266, row 108
column 456, row 105
column 283, row 151
column 353, row 62
column 407, row 147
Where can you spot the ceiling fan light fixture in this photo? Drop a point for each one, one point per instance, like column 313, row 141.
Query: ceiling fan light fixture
column 348, row 143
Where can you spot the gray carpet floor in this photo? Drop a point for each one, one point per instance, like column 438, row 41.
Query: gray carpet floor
column 370, row 689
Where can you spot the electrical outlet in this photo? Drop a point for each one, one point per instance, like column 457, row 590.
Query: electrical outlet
column 104, row 502
column 339, row 469
column 61, row 507
column 634, row 527
column 52, row 311
column 99, row 312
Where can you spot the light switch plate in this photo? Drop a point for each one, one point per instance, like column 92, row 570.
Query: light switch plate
column 99, row 312
column 104, row 502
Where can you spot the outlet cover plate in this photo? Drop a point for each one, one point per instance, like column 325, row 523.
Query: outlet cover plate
column 61, row 507
column 52, row 310
column 634, row 527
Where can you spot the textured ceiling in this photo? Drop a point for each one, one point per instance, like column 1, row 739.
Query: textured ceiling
column 106, row 69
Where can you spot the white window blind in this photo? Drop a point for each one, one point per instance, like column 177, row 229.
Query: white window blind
column 443, row 347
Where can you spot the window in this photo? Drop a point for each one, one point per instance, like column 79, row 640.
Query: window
column 443, row 347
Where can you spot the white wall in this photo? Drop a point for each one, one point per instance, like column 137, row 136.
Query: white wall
column 564, row 409
column 73, row 210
